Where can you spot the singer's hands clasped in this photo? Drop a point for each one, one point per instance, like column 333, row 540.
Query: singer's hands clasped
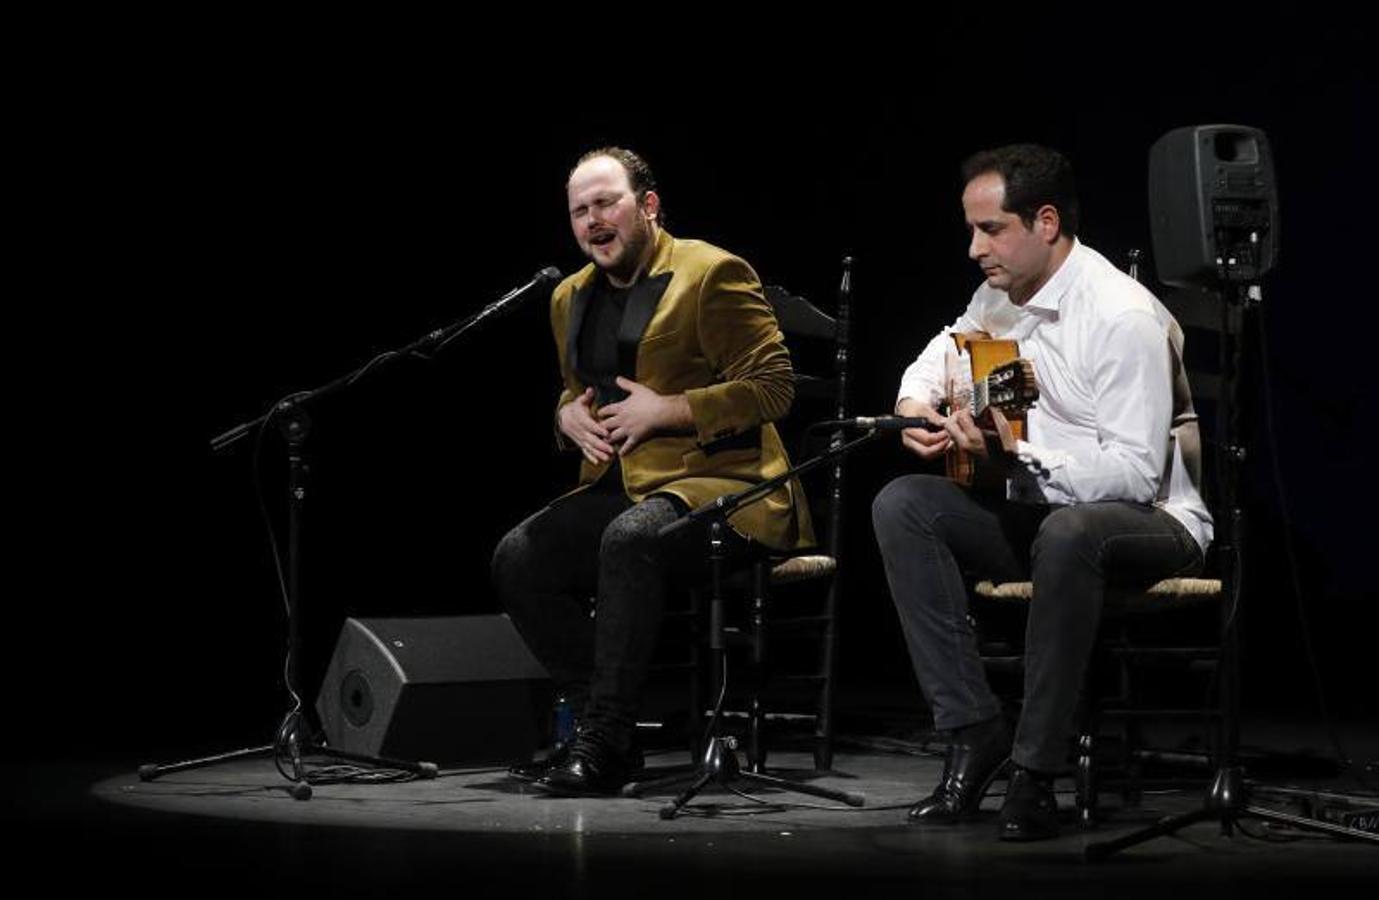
column 618, row 427
column 576, row 421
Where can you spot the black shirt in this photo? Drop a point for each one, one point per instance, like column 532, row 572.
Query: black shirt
column 598, row 340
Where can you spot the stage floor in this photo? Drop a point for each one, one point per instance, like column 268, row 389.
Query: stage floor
column 232, row 828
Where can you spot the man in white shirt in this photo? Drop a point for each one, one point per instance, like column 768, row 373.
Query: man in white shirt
column 1102, row 491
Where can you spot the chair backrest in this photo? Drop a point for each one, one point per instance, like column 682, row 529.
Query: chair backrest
column 819, row 350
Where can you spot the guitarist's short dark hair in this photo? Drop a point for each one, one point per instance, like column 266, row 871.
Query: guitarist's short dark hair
column 1034, row 176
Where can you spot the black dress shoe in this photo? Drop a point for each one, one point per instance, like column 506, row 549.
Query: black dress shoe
column 975, row 757
column 536, row 768
column 596, row 767
column 1030, row 812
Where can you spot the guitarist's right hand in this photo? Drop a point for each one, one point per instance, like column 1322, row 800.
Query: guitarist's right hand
column 995, row 445
column 925, row 444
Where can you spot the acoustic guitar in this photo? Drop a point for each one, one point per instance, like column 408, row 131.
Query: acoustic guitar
column 999, row 379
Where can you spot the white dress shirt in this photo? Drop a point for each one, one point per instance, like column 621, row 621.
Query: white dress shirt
column 1102, row 359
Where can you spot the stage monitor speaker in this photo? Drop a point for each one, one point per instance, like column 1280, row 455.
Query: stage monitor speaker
column 1213, row 205
column 461, row 690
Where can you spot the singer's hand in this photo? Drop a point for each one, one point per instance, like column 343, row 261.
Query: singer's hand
column 643, row 413
column 920, row 441
column 577, row 422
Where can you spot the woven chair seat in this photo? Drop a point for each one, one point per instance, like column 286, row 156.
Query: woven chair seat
column 1171, row 593
column 803, row 568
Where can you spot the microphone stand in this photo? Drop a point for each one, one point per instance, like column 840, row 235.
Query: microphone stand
column 433, row 341
column 719, row 762
column 294, row 424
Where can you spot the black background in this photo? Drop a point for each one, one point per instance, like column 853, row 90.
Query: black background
column 241, row 218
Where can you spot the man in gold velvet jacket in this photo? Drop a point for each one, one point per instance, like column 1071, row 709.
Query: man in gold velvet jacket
column 673, row 370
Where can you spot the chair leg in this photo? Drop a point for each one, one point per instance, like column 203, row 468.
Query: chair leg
column 823, row 724
column 695, row 718
column 823, row 746
column 1132, row 793
column 756, row 744
column 1086, row 778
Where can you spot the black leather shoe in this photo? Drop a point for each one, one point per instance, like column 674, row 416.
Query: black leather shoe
column 975, row 757
column 1030, row 812
column 595, row 767
column 536, row 768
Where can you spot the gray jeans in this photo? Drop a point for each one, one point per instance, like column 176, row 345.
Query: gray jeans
column 931, row 531
column 598, row 545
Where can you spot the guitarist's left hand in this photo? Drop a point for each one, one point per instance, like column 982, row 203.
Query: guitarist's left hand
column 998, row 445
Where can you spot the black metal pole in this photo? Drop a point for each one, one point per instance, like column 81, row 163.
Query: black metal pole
column 295, row 426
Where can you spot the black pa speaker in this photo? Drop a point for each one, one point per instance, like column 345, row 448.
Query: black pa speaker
column 461, row 690
column 1213, row 205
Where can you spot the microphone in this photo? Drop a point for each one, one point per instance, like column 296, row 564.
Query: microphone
column 548, row 275
column 881, row 423
column 443, row 336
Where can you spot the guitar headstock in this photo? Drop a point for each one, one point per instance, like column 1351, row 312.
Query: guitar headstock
column 1009, row 387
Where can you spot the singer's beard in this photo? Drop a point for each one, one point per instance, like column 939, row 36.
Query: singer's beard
column 634, row 253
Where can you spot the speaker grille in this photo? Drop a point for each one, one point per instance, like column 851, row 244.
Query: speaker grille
column 356, row 698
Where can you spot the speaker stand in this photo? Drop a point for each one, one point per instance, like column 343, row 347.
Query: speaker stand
column 1227, row 801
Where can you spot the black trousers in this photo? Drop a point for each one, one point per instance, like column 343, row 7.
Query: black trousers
column 585, row 581
column 931, row 531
